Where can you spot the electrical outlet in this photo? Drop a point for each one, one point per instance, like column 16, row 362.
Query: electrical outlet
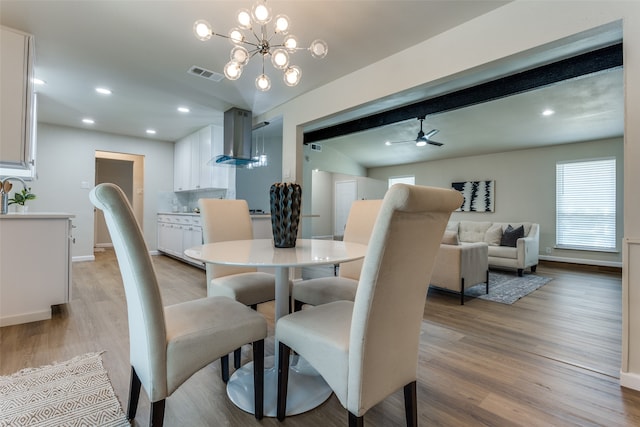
column 547, row 250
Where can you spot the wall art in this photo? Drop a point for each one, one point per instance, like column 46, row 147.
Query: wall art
column 478, row 195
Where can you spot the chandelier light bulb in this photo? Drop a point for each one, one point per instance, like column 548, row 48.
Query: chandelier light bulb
column 240, row 55
column 236, row 36
column 290, row 42
column 280, row 59
column 232, row 70
column 202, row 30
column 292, row 75
column 263, row 83
column 244, row 19
column 261, row 13
column 271, row 40
column 281, row 24
column 319, row 49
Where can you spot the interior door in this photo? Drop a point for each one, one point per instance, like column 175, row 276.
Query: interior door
column 344, row 195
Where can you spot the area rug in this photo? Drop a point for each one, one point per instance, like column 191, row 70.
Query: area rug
column 506, row 287
column 72, row 393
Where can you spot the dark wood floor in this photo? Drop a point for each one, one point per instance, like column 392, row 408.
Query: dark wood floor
column 550, row 359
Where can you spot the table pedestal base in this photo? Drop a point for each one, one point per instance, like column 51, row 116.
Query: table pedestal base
column 306, row 389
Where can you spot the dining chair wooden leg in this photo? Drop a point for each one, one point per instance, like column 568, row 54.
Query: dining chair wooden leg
column 224, row 368
column 258, row 378
column 283, row 379
column 134, row 395
column 237, row 358
column 157, row 414
column 411, row 404
column 355, row 421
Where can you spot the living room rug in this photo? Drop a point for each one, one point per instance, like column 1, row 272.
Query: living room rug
column 507, row 287
column 77, row 392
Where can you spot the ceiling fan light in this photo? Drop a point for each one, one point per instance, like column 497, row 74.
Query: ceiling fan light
column 281, row 24
column 261, row 13
column 236, row 36
column 240, row 55
column 232, row 70
column 292, row 75
column 319, row 49
column 244, row 19
column 280, row 59
column 263, row 83
column 421, row 143
column 202, row 30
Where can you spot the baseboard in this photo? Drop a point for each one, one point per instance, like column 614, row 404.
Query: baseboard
column 104, row 245
column 83, row 258
column 629, row 380
column 595, row 262
column 25, row 317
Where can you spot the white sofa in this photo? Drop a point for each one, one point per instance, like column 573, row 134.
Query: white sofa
column 504, row 250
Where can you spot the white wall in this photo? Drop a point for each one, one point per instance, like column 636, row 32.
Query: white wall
column 524, row 188
column 66, row 158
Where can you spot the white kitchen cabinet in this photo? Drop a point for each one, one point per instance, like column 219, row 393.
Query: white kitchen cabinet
column 35, row 265
column 177, row 232
column 193, row 169
column 182, row 164
column 17, row 115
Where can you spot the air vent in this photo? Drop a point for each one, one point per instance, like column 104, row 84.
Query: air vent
column 205, row 74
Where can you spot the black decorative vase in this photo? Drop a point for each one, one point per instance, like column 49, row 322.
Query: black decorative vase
column 285, row 200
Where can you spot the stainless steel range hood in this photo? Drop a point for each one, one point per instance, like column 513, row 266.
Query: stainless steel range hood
column 237, row 138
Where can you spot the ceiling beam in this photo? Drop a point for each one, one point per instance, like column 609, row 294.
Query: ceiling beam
column 588, row 63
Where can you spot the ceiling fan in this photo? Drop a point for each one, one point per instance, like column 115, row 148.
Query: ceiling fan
column 422, row 139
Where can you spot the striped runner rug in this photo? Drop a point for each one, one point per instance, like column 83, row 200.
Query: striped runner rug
column 72, row 393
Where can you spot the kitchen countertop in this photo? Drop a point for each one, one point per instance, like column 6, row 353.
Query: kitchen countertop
column 37, row 215
column 197, row 214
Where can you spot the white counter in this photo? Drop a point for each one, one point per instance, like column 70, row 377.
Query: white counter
column 35, row 265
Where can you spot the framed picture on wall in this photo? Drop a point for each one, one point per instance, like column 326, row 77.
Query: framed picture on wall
column 478, row 195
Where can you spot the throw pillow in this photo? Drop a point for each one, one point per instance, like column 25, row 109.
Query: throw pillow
column 511, row 235
column 450, row 237
column 493, row 236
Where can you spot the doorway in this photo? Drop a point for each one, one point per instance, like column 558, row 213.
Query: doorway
column 345, row 193
column 127, row 172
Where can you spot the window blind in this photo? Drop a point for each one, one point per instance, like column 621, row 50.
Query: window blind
column 586, row 205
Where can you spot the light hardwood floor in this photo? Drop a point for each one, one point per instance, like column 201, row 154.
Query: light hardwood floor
column 550, row 359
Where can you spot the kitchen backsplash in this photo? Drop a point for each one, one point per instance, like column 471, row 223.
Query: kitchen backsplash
column 186, row 201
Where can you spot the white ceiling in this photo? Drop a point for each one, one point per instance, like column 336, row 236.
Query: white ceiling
column 142, row 50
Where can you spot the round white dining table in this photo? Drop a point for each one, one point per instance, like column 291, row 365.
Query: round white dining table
column 306, row 387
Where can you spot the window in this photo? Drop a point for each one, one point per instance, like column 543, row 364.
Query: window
column 586, row 205
column 402, row 180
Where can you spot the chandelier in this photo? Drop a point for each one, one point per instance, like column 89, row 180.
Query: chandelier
column 260, row 41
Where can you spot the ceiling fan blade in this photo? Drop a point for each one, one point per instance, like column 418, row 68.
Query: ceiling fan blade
column 399, row 142
column 436, row 143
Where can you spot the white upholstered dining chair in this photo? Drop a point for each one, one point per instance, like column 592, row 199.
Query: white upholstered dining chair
column 224, row 220
column 367, row 349
column 362, row 216
column 167, row 345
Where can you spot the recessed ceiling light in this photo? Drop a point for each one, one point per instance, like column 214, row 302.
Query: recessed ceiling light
column 183, row 109
column 548, row 112
column 88, row 121
column 103, row 91
column 39, row 81
column 151, row 131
